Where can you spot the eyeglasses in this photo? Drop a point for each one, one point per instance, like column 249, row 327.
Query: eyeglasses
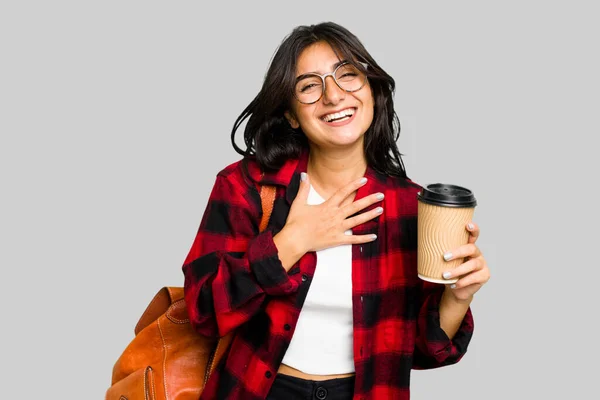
column 310, row 87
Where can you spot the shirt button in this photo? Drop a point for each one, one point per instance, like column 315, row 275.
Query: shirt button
column 321, row 393
column 287, row 327
column 304, row 277
column 268, row 374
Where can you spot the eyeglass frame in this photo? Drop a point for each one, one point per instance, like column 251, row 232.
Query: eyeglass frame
column 332, row 74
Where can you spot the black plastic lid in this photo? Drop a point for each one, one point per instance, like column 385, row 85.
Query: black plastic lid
column 440, row 194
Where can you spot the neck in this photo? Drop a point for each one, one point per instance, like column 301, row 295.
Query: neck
column 330, row 170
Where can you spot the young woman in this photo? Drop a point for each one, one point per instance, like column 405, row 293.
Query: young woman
column 326, row 302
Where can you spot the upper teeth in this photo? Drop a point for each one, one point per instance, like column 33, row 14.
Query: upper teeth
column 344, row 113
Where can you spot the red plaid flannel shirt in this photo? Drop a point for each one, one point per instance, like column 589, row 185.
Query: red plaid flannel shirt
column 234, row 280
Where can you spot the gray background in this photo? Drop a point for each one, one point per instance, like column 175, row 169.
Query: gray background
column 115, row 118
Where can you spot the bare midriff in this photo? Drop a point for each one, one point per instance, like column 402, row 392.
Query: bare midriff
column 287, row 370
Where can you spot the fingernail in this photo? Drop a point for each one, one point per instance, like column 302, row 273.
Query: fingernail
column 448, row 256
column 379, row 210
column 471, row 226
column 303, row 176
column 363, row 181
column 380, row 196
column 453, row 286
column 447, row 275
column 373, row 236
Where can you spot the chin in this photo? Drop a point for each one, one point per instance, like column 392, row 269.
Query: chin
column 345, row 140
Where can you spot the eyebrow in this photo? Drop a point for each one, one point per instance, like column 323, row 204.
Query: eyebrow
column 333, row 67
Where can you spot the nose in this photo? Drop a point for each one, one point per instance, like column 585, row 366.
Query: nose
column 332, row 94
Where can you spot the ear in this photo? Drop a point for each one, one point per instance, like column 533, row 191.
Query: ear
column 291, row 119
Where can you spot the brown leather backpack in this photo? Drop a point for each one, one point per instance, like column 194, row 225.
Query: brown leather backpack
column 168, row 359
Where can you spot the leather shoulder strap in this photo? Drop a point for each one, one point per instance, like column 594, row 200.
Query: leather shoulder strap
column 267, row 199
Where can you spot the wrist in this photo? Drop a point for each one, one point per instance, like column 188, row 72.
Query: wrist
column 294, row 237
column 452, row 312
column 289, row 248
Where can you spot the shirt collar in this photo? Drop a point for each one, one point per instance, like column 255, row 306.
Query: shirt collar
column 288, row 176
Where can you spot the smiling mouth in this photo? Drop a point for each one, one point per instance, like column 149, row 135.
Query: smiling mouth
column 340, row 116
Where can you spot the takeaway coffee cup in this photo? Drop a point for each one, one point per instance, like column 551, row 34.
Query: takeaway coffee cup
column 444, row 211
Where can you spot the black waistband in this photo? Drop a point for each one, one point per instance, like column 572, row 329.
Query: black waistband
column 333, row 383
column 290, row 387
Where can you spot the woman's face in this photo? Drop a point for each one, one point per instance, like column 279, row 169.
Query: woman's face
column 315, row 119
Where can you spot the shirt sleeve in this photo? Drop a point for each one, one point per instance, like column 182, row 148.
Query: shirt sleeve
column 433, row 348
column 231, row 267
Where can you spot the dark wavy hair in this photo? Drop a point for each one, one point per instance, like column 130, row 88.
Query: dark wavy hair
column 271, row 140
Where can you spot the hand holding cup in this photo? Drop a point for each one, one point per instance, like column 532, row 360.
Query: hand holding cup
column 473, row 273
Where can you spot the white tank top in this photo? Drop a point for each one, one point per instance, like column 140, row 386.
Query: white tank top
column 322, row 343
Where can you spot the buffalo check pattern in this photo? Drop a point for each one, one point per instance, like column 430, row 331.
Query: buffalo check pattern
column 234, row 281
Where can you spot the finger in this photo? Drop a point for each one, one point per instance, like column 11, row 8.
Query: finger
column 304, row 189
column 361, row 204
column 359, row 239
column 473, row 264
column 473, row 229
column 340, row 195
column 470, row 289
column 361, row 218
column 475, row 278
column 467, row 250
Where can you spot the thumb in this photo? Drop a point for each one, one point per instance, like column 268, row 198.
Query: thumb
column 304, row 188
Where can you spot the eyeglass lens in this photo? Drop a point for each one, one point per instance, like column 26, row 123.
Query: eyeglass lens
column 347, row 76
